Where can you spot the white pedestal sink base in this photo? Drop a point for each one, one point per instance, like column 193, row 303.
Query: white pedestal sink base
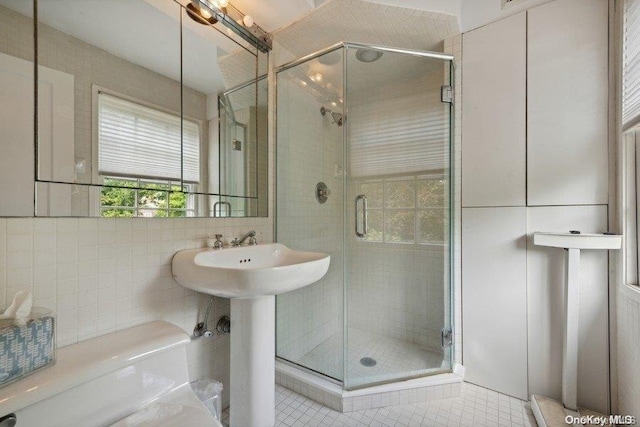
column 570, row 337
column 549, row 412
column 253, row 326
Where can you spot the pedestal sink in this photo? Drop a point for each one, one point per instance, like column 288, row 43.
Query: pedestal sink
column 251, row 276
column 546, row 411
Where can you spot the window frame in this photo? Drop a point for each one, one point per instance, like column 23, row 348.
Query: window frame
column 628, row 180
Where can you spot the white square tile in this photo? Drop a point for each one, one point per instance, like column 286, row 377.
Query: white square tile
column 19, row 226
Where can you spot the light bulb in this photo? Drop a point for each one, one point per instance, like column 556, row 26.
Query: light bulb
column 248, row 21
column 205, row 13
column 223, row 3
column 318, row 77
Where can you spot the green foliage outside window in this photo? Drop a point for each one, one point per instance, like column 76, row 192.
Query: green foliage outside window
column 124, row 198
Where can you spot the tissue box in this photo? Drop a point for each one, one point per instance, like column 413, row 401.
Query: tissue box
column 26, row 346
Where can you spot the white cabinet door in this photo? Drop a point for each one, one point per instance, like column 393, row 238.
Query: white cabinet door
column 567, row 103
column 494, row 295
column 545, row 284
column 493, row 114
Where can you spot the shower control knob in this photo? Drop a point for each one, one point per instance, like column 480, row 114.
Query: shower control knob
column 322, row 192
column 208, row 334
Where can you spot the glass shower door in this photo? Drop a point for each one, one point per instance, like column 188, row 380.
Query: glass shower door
column 397, row 244
column 310, row 151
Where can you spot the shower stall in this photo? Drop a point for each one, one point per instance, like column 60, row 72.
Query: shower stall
column 364, row 137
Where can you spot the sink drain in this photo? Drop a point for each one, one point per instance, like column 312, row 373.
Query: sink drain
column 368, row 361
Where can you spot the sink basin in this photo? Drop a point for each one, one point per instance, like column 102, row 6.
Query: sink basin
column 248, row 271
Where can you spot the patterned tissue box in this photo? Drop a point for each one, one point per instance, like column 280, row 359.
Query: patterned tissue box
column 26, row 347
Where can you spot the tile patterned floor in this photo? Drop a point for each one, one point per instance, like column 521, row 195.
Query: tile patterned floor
column 476, row 407
column 393, row 356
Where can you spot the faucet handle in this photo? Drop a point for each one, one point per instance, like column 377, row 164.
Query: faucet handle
column 218, row 243
column 253, row 241
column 235, row 242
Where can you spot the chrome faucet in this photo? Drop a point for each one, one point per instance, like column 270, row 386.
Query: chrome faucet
column 252, row 240
column 218, row 244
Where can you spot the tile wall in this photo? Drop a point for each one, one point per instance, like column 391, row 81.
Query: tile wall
column 101, row 275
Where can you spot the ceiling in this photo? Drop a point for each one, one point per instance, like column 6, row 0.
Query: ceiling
column 300, row 25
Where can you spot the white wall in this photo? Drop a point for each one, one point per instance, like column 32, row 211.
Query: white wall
column 476, row 13
column 103, row 275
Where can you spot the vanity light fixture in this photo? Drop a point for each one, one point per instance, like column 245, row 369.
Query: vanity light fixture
column 209, row 12
column 248, row 21
column 200, row 14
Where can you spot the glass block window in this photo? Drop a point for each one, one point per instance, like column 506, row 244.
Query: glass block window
column 411, row 210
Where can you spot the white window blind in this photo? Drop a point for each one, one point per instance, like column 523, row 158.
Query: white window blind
column 631, row 65
column 399, row 134
column 138, row 141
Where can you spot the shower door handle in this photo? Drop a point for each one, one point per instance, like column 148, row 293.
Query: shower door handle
column 364, row 215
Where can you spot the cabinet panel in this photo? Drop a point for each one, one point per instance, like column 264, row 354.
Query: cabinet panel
column 567, row 105
column 493, row 114
column 545, row 284
column 494, row 296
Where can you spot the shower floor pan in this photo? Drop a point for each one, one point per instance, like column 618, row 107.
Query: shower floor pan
column 392, row 355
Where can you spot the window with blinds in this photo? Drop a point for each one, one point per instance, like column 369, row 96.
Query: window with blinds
column 399, row 133
column 631, row 65
column 141, row 142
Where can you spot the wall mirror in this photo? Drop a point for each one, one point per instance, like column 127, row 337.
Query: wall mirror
column 129, row 122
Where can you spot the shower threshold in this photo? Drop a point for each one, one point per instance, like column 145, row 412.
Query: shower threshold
column 332, row 395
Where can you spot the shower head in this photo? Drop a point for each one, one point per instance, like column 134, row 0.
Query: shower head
column 338, row 118
column 368, row 55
